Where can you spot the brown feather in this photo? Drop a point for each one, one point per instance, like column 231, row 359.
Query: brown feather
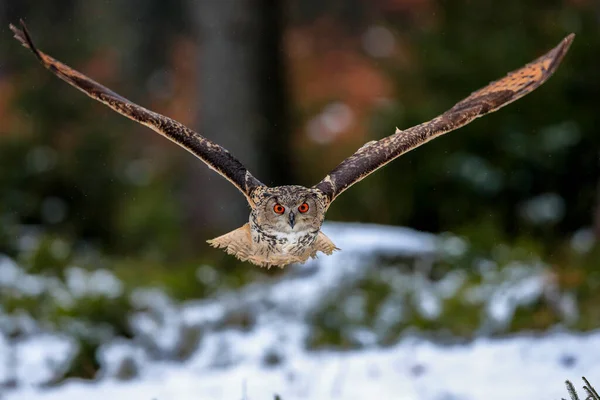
column 239, row 243
column 324, row 244
column 216, row 157
column 484, row 101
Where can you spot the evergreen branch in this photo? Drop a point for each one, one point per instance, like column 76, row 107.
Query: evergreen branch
column 589, row 389
column 592, row 394
column 571, row 390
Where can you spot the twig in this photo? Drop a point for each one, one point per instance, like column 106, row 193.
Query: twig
column 589, row 389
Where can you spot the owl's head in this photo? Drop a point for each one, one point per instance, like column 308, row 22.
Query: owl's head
column 289, row 209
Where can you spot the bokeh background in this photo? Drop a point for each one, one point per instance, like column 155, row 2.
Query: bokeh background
column 291, row 88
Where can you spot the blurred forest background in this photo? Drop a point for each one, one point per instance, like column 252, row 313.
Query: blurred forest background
column 292, row 88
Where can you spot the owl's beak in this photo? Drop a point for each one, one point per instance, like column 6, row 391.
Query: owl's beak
column 292, row 219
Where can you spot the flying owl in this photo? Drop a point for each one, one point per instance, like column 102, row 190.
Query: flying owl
column 285, row 221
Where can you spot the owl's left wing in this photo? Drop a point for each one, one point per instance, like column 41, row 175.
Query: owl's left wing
column 376, row 154
column 216, row 157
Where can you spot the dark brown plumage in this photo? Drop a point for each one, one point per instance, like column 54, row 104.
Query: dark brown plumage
column 494, row 96
column 215, row 156
column 285, row 221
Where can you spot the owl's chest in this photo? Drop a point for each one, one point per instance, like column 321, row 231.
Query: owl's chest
column 284, row 243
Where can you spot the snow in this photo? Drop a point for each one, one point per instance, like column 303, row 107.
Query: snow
column 187, row 351
column 522, row 367
column 41, row 358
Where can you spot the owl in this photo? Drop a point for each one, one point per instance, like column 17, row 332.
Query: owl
column 285, row 222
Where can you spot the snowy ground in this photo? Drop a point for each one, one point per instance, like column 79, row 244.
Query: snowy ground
column 270, row 358
column 516, row 368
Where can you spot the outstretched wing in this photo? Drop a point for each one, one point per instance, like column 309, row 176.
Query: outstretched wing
column 376, row 154
column 216, row 157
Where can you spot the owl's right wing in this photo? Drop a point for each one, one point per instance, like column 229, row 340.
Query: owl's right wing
column 216, row 157
column 494, row 96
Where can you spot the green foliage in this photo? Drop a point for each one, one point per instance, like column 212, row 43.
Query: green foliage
column 454, row 296
column 86, row 295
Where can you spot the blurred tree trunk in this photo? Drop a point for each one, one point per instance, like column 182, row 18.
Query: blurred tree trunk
column 596, row 221
column 242, row 105
column 4, row 21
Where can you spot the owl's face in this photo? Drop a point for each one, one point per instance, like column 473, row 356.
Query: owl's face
column 289, row 209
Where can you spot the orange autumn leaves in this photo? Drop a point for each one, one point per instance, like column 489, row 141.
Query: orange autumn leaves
column 330, row 74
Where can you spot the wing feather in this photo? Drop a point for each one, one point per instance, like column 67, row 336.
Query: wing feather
column 494, row 96
column 216, row 157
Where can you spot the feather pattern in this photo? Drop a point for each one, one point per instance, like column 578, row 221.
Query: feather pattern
column 494, row 96
column 216, row 157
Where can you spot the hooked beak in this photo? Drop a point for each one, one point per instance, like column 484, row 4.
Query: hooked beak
column 292, row 219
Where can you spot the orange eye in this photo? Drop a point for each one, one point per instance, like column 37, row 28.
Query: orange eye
column 278, row 208
column 303, row 208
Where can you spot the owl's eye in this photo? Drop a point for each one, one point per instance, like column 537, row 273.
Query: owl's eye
column 278, row 208
column 303, row 208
